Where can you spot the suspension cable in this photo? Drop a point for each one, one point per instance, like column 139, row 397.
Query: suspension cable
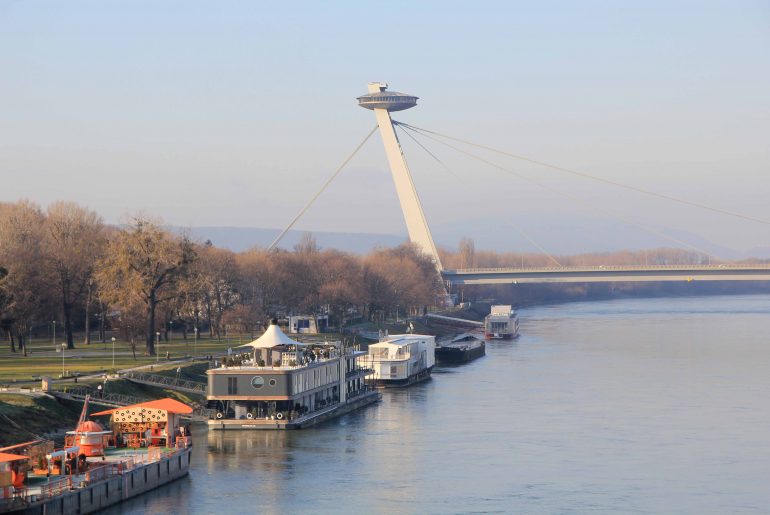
column 562, row 193
column 318, row 193
column 460, row 179
column 594, row 177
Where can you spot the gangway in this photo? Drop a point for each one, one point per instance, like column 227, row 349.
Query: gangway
column 168, row 382
column 462, row 321
column 114, row 400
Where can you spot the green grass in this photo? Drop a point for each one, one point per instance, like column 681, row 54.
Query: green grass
column 43, row 360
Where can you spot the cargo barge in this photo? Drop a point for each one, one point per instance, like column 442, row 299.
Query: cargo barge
column 460, row 349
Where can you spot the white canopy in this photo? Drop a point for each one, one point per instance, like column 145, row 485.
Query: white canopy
column 272, row 338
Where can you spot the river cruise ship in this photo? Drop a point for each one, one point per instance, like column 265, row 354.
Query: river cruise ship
column 501, row 323
column 400, row 360
column 280, row 383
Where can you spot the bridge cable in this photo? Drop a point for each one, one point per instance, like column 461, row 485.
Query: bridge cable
column 431, row 154
column 459, row 179
column 318, row 193
column 596, row 178
column 574, row 198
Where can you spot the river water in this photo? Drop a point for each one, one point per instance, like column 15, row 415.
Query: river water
column 625, row 406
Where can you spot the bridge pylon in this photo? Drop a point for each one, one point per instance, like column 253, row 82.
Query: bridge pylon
column 382, row 102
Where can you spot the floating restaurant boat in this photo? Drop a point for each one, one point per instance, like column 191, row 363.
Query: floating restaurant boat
column 462, row 348
column 147, row 446
column 280, row 383
column 501, row 323
column 400, row 360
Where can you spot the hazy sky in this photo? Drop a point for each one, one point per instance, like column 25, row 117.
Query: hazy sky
column 234, row 113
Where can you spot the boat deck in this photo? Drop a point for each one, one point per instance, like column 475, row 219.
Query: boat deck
column 103, row 484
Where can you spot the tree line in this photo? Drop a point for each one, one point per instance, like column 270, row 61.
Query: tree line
column 65, row 264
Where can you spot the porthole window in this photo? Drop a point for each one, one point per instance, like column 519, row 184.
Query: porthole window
column 257, row 382
column 272, row 382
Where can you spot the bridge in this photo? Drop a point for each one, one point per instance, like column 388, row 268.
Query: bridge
column 593, row 274
column 382, row 102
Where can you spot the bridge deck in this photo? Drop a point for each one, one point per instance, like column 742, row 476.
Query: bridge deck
column 628, row 273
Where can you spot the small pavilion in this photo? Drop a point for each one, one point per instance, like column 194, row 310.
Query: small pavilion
column 150, row 424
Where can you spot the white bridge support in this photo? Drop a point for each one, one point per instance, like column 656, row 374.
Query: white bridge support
column 382, row 102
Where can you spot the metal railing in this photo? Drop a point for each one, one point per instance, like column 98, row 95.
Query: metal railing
column 105, row 398
column 172, row 383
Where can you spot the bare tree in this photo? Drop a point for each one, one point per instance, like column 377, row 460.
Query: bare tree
column 27, row 286
column 218, row 273
column 74, row 241
column 144, row 264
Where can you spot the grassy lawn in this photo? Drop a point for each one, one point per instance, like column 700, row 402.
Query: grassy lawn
column 43, row 360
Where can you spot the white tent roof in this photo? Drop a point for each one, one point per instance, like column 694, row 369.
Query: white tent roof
column 272, row 338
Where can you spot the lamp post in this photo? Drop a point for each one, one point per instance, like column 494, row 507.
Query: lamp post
column 157, row 346
column 63, row 346
column 54, row 334
column 113, row 354
column 195, row 342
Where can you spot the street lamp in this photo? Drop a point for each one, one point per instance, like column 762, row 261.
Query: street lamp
column 113, row 354
column 54, row 334
column 170, row 332
column 157, row 346
column 63, row 346
column 195, row 342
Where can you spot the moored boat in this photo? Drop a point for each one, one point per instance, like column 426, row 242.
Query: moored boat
column 400, row 360
column 281, row 383
column 64, row 481
column 462, row 348
column 501, row 323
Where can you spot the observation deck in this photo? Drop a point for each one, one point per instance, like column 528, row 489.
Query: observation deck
column 388, row 100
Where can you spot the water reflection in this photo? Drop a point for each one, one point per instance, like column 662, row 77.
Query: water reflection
column 654, row 405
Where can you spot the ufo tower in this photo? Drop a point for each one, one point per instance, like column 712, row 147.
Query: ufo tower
column 382, row 102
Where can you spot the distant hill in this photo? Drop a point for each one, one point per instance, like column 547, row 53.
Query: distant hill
column 557, row 235
column 242, row 238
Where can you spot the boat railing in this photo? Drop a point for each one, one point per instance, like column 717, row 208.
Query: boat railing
column 55, row 487
column 359, row 371
column 360, row 391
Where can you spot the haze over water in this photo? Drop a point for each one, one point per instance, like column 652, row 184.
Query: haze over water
column 648, row 406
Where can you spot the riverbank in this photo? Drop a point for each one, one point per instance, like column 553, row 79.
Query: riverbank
column 29, row 416
column 25, row 417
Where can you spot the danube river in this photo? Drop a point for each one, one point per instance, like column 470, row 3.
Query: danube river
column 627, row 406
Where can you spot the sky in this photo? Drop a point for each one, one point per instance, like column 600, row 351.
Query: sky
column 235, row 113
